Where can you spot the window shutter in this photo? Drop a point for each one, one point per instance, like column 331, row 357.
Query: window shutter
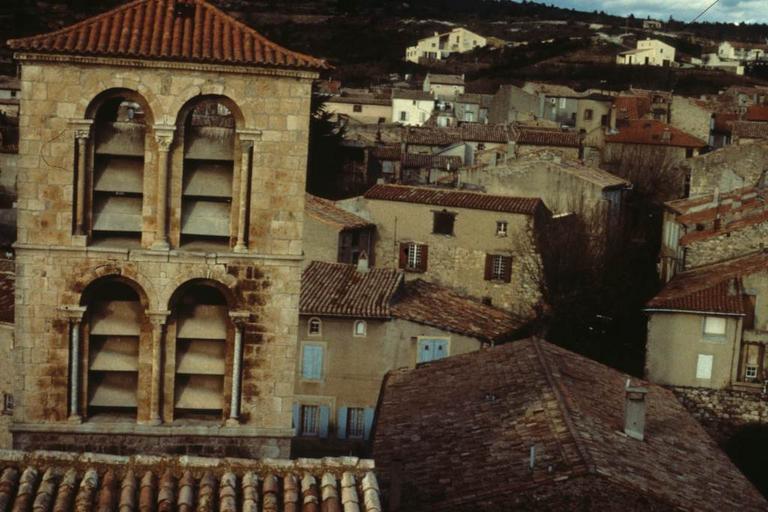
column 341, row 423
column 368, row 422
column 325, row 414
column 424, row 258
column 440, row 349
column 296, row 419
column 488, row 267
column 403, row 255
column 425, row 351
column 508, row 269
column 312, row 364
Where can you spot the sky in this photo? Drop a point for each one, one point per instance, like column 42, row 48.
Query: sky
column 735, row 11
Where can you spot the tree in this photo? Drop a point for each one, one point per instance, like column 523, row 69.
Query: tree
column 324, row 162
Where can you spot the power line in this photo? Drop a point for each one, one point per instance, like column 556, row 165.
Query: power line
column 702, row 13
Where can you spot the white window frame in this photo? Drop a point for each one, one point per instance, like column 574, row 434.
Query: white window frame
column 502, row 228
column 704, row 366
column 499, row 264
column 319, row 327
column 414, row 256
column 750, row 371
column 362, row 333
column 714, row 334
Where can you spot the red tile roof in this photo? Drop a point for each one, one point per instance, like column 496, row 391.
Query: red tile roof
column 411, row 94
column 435, row 78
column 415, row 161
column 478, row 132
column 455, row 199
column 458, row 434
column 360, row 100
column 750, row 130
column 543, row 137
column 632, row 107
column 756, row 113
column 326, row 211
column 422, row 136
column 647, row 131
column 339, row 289
column 437, row 306
column 87, row 481
column 714, row 288
column 386, row 152
column 176, row 30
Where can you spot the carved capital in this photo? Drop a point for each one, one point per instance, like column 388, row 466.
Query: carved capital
column 248, row 138
column 158, row 318
column 82, row 128
column 239, row 318
column 73, row 313
column 164, row 136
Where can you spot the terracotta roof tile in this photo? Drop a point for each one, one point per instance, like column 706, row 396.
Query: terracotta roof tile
column 106, row 482
column 712, row 288
column 646, row 131
column 756, row 113
column 326, row 211
column 542, row 137
column 432, row 304
column 339, row 289
column 417, row 161
column 459, row 432
column 478, row 132
column 386, row 152
column 360, row 100
column 431, row 136
column 455, row 199
column 176, row 30
column 631, row 107
column 750, row 130
column 435, row 78
column 411, row 94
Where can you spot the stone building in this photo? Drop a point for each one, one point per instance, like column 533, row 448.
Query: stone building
column 335, row 235
column 161, row 204
column 444, row 87
column 531, row 426
column 481, row 245
column 726, row 169
column 359, row 323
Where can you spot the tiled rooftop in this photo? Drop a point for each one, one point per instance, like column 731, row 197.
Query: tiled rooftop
column 455, row 199
column 714, row 288
column 437, row 306
column 756, row 113
column 631, row 107
column 435, row 78
column 428, row 136
column 478, row 132
column 175, row 30
column 545, row 137
column 326, row 211
column 648, row 131
column 339, row 289
column 411, row 94
column 457, row 435
column 361, row 100
column 65, row 482
column 416, row 161
column 750, row 129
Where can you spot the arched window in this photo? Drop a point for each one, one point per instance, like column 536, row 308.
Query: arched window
column 314, row 327
column 117, row 184
column 202, row 330
column 360, row 328
column 209, row 154
column 115, row 316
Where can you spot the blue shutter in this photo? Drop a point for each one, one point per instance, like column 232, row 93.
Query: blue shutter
column 325, row 414
column 296, row 419
column 440, row 349
column 368, row 422
column 341, row 423
column 312, row 364
column 426, row 351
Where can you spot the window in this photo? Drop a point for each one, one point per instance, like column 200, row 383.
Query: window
column 414, row 256
column 501, row 228
column 562, row 102
column 714, row 326
column 314, row 327
column 354, row 422
column 382, row 120
column 469, row 116
column 311, row 420
column 7, row 403
column 431, row 349
column 403, row 116
column 361, row 328
column 750, row 373
column 588, row 114
column 13, row 94
column 357, row 108
column 312, row 362
column 704, row 366
column 442, row 223
column 498, row 268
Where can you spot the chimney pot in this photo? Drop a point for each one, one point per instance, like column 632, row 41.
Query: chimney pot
column 634, row 411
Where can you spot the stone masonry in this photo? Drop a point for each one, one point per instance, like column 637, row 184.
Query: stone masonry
column 722, row 411
column 727, row 245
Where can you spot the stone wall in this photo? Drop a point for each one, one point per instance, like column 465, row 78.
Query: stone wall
column 6, row 381
column 728, row 168
column 727, row 245
column 689, row 117
column 722, row 411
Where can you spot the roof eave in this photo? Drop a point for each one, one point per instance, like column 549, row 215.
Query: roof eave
column 690, row 311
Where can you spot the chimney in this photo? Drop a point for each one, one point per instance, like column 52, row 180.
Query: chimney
column 634, row 411
column 362, row 263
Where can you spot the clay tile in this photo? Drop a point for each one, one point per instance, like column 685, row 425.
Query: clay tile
column 330, row 494
column 86, row 492
column 290, row 493
column 147, row 492
column 8, row 486
column 186, row 493
column 370, row 482
column 26, row 493
column 128, row 489
column 228, row 493
column 206, row 494
column 46, row 492
column 271, row 491
column 166, row 497
column 311, row 502
column 66, row 494
column 108, row 492
column 250, row 492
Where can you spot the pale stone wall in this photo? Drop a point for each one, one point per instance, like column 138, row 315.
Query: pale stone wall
column 691, row 118
column 8, row 171
column 524, row 150
column 728, row 168
column 6, row 380
column 321, row 241
column 727, row 245
column 674, row 342
column 54, row 266
column 369, row 114
column 724, row 408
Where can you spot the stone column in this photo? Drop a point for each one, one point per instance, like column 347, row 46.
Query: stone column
column 82, row 134
column 238, row 318
column 158, row 319
column 74, row 315
column 248, row 140
column 164, row 139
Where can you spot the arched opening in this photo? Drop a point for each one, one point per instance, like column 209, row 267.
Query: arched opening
column 208, row 173
column 111, row 347
column 117, row 181
column 202, row 329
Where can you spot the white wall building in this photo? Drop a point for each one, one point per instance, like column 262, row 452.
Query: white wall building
column 411, row 107
column 441, row 46
column 649, row 52
column 731, row 50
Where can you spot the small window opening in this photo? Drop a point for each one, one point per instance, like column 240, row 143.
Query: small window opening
column 443, row 222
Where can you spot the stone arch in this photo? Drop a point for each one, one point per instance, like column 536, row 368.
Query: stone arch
column 88, row 109
column 135, row 280
column 232, row 106
column 226, row 292
column 223, row 282
column 191, row 95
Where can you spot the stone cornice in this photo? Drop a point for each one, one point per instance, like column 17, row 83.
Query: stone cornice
column 162, row 64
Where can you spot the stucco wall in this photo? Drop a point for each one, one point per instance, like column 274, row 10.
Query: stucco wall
column 321, row 241
column 674, row 342
column 689, row 117
column 369, row 114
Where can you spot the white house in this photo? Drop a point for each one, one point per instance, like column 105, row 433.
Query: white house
column 411, row 107
column 650, row 52
column 733, row 50
column 441, row 46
